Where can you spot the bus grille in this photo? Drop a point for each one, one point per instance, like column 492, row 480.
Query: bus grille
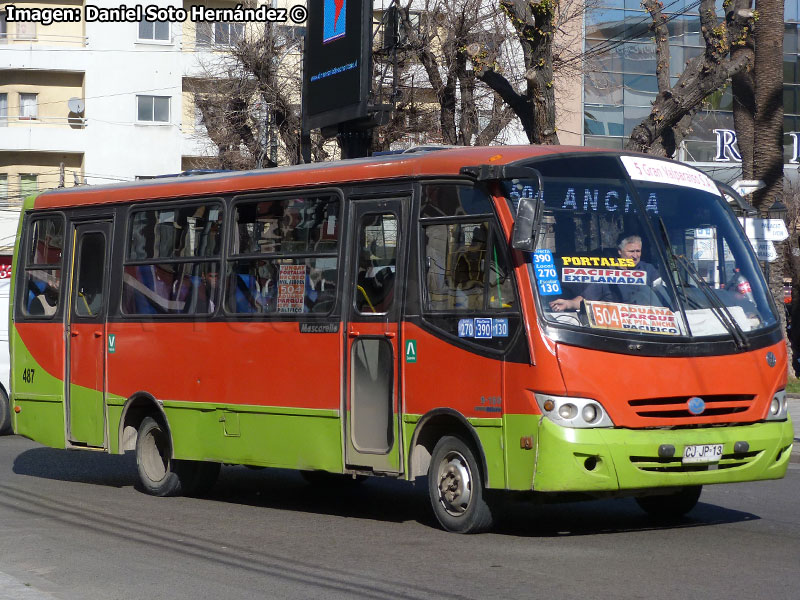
column 677, row 407
column 654, row 464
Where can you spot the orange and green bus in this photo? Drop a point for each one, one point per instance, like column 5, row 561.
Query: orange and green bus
column 548, row 321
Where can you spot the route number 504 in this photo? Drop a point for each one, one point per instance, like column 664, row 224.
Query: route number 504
column 605, row 317
column 27, row 375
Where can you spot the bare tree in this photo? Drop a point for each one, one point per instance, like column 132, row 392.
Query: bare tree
column 248, row 96
column 438, row 33
column 724, row 56
column 546, row 41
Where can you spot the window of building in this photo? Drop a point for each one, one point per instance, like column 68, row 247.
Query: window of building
column 28, row 184
column 154, row 109
column 3, row 110
column 41, row 290
column 224, row 34
column 156, row 31
column 28, row 106
column 284, row 256
column 26, row 30
column 172, row 261
column 3, row 28
column 3, row 187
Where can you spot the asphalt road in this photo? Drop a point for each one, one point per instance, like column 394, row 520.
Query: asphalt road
column 75, row 528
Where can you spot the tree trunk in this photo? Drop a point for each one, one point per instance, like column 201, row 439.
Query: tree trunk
column 768, row 152
column 666, row 125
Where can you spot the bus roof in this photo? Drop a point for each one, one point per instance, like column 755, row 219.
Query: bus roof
column 445, row 162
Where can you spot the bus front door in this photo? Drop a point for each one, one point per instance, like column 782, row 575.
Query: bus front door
column 372, row 368
column 86, row 356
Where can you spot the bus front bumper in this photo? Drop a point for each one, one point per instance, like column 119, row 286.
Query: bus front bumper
column 586, row 460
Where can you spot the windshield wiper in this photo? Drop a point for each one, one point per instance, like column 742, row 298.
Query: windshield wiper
column 717, row 307
column 675, row 276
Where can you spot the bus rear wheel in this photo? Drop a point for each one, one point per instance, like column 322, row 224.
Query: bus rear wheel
column 5, row 413
column 671, row 506
column 455, row 487
column 159, row 473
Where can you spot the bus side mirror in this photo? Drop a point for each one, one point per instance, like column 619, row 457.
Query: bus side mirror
column 523, row 236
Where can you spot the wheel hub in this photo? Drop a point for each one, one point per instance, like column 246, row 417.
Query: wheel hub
column 455, row 484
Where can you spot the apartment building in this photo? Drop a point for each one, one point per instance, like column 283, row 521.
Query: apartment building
column 105, row 100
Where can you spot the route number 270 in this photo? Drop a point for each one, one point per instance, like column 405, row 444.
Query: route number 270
column 27, row 375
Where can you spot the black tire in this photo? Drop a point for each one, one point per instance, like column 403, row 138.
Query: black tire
column 455, row 487
column 159, row 473
column 671, row 506
column 5, row 413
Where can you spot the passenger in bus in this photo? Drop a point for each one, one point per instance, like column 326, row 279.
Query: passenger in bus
column 42, row 298
column 630, row 247
column 254, row 289
column 469, row 270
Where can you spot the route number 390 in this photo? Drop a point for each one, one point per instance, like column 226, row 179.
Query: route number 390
column 27, row 375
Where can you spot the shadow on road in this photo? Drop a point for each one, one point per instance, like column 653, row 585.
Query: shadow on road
column 597, row 517
column 377, row 499
column 81, row 467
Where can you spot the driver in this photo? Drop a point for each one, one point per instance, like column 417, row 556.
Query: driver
column 629, row 246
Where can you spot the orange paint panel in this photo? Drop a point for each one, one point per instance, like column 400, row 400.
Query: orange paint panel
column 444, row 162
column 448, row 376
column 45, row 343
column 255, row 363
column 658, row 385
column 86, row 355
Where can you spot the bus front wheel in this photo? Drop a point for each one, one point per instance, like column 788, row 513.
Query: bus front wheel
column 456, row 490
column 159, row 473
column 671, row 506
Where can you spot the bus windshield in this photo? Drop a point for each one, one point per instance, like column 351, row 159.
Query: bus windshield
column 661, row 257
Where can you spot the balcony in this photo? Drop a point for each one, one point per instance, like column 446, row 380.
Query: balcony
column 48, row 135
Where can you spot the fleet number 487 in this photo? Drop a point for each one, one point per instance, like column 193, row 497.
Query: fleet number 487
column 27, row 375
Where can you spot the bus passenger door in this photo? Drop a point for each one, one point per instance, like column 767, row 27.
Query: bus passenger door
column 372, row 415
column 86, row 334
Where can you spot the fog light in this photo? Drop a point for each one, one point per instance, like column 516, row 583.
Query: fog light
column 589, row 413
column 666, row 451
column 567, row 411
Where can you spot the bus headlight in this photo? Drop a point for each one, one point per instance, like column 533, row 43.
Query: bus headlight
column 573, row 412
column 778, row 408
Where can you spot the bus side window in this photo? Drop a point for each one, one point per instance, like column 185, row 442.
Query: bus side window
column 283, row 255
column 41, row 291
column 172, row 263
column 377, row 263
column 464, row 269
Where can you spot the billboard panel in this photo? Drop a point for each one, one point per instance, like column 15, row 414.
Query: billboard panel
column 336, row 62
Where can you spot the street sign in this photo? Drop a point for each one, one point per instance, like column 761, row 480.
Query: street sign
column 765, row 250
column 773, row 230
column 748, row 186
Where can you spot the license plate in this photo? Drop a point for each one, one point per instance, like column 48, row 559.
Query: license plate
column 702, row 453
